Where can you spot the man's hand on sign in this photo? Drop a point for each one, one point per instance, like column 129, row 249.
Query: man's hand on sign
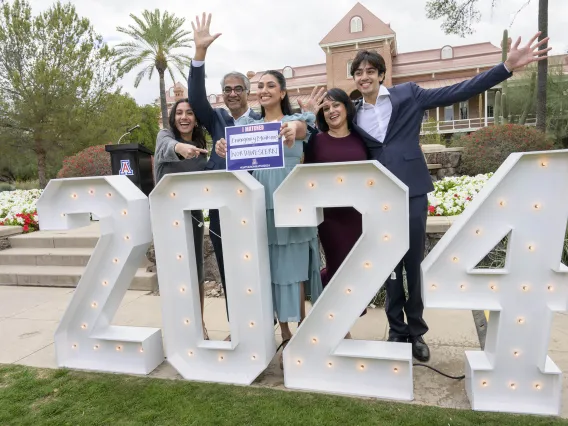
column 221, row 148
column 288, row 133
column 188, row 151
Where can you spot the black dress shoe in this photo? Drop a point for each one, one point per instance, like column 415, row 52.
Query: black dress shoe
column 398, row 339
column 420, row 349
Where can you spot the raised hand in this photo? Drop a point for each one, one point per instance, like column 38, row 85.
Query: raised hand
column 221, row 148
column 202, row 37
column 314, row 102
column 518, row 58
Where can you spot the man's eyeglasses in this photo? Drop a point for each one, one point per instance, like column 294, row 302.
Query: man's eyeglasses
column 238, row 90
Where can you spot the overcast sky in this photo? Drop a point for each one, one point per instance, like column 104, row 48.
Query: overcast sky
column 259, row 35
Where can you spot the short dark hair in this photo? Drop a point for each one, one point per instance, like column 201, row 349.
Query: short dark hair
column 372, row 58
column 198, row 135
column 337, row 95
column 284, row 103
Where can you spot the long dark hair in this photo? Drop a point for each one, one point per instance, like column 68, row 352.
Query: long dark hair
column 337, row 95
column 284, row 103
column 198, row 134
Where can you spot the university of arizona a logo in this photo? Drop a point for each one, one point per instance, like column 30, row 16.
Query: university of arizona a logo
column 254, row 162
column 125, row 168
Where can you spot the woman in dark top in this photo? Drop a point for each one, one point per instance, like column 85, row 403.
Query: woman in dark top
column 336, row 143
column 182, row 148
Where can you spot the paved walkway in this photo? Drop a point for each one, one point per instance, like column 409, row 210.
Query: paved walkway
column 29, row 317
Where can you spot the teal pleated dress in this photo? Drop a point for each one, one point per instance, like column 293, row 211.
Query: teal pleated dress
column 294, row 252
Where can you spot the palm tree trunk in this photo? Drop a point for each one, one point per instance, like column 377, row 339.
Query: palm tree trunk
column 163, row 105
column 542, row 68
column 40, row 154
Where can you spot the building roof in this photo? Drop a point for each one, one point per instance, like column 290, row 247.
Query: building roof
column 170, row 96
column 429, row 61
column 254, row 104
column 304, row 76
column 372, row 27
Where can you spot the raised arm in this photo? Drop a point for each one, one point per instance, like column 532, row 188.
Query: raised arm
column 518, row 58
column 196, row 82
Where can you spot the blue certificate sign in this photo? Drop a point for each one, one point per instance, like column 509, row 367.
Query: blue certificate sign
column 255, row 146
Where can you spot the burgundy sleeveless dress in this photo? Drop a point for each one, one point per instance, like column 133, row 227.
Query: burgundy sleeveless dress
column 342, row 226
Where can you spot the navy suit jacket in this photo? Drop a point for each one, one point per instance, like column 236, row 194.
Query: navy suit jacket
column 400, row 151
column 213, row 119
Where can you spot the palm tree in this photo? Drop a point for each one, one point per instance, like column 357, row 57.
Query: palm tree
column 542, row 68
column 156, row 36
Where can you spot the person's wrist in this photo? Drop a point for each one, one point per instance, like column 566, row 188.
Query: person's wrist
column 200, row 53
column 508, row 66
column 176, row 148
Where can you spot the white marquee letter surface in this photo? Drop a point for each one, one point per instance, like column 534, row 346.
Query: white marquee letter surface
column 318, row 357
column 528, row 198
column 85, row 339
column 240, row 200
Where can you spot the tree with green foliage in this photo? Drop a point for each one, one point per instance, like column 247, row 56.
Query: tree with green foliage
column 156, row 37
column 459, row 17
column 53, row 69
column 115, row 114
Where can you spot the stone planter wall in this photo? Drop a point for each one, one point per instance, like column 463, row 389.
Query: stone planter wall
column 442, row 161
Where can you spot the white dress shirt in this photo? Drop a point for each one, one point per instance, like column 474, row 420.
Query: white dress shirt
column 374, row 119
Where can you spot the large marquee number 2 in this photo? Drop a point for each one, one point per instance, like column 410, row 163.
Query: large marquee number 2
column 85, row 339
column 318, row 357
column 525, row 200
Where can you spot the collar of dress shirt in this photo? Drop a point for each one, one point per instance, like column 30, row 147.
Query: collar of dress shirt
column 383, row 92
column 246, row 114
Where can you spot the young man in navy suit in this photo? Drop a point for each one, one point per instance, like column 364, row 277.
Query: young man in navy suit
column 391, row 119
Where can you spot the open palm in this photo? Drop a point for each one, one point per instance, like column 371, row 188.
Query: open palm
column 519, row 57
column 201, row 35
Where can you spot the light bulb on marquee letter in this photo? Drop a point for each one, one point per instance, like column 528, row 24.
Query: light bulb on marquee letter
column 518, row 295
column 245, row 249
column 372, row 190
column 86, row 322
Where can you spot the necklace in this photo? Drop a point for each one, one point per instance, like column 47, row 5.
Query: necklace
column 335, row 134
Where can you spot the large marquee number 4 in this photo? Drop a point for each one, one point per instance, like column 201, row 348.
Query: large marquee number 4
column 525, row 200
column 318, row 357
column 85, row 339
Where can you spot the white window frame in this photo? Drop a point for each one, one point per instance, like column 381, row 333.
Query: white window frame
column 444, row 52
column 288, row 72
column 356, row 24
column 349, row 62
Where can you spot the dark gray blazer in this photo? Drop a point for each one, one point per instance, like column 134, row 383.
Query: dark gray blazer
column 213, row 119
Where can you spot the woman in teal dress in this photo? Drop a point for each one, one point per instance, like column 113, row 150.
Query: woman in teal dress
column 294, row 252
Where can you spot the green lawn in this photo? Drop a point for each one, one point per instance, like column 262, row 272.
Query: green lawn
column 31, row 396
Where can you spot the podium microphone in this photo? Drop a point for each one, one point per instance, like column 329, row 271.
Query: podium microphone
column 128, row 132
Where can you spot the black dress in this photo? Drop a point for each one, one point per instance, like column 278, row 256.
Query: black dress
column 196, row 164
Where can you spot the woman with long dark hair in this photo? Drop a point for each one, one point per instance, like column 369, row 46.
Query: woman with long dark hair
column 182, row 148
column 337, row 142
column 294, row 252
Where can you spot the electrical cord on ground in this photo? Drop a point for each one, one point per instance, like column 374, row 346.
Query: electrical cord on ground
column 439, row 372
column 286, row 341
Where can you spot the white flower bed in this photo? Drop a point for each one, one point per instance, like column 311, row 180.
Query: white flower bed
column 453, row 194
column 19, row 207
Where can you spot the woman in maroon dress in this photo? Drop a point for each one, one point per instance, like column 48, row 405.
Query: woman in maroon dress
column 336, row 143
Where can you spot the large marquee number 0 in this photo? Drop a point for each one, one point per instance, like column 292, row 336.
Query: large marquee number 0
column 240, row 200
column 525, row 200
column 85, row 339
column 317, row 357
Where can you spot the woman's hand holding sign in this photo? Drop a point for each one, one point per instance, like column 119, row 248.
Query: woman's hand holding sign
column 221, row 148
column 288, row 133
